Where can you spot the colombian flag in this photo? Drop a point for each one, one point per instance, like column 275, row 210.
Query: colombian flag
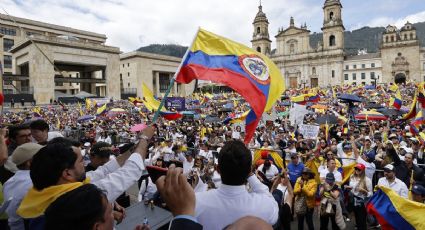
column 101, row 110
column 412, row 113
column 304, row 98
column 255, row 77
column 396, row 212
column 396, row 101
column 170, row 115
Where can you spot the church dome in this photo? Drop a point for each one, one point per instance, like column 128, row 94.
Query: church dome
column 261, row 16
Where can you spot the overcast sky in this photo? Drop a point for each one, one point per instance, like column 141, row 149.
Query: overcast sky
column 130, row 24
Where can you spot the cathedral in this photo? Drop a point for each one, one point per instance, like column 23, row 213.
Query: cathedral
column 400, row 58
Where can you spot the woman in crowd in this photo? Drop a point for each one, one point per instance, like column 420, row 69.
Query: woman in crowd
column 284, row 194
column 360, row 188
column 306, row 186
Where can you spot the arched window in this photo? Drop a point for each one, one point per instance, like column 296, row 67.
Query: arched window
column 332, row 40
column 292, row 48
column 392, row 38
column 258, row 30
column 331, row 15
column 411, row 36
column 313, row 70
column 405, row 36
column 259, row 49
column 386, row 38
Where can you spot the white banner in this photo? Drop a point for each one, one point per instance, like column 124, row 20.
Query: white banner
column 309, row 131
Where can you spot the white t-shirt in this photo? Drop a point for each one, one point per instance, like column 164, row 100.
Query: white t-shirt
column 271, row 172
column 337, row 175
column 397, row 186
column 370, row 167
column 284, row 190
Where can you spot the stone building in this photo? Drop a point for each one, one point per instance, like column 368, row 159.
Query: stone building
column 399, row 58
column 154, row 70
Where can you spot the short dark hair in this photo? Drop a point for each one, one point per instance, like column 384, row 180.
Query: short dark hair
column 39, row 125
column 80, row 209
column 14, row 129
column 101, row 149
column 50, row 161
column 234, row 161
column 65, row 141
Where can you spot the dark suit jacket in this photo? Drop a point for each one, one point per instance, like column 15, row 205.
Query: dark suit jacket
column 183, row 224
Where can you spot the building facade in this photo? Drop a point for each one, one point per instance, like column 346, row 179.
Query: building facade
column 400, row 58
column 154, row 70
column 15, row 30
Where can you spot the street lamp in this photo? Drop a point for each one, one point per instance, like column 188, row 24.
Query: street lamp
column 375, row 78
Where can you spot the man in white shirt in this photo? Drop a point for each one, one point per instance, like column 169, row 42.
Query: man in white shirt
column 389, row 180
column 17, row 186
column 331, row 169
column 59, row 165
column 217, row 208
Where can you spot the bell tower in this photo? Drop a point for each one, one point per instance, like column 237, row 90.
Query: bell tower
column 333, row 28
column 260, row 38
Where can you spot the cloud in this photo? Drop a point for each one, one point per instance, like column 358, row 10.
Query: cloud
column 130, row 24
column 133, row 23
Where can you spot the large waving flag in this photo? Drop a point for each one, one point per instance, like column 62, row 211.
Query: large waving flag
column 254, row 76
column 396, row 212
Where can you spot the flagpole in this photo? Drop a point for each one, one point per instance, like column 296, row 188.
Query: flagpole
column 173, row 79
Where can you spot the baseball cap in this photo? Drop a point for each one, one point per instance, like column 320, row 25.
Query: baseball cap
column 418, row 189
column 330, row 178
column 25, row 152
column 389, row 167
column 347, row 146
column 360, row 166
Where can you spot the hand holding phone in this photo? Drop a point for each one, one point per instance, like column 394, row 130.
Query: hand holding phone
column 156, row 172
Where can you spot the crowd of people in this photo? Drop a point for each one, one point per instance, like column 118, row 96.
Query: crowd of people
column 70, row 166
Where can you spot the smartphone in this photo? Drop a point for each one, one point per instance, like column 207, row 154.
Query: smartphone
column 156, row 172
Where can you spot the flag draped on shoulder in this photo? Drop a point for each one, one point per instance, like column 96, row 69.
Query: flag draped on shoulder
column 254, row 76
column 396, row 212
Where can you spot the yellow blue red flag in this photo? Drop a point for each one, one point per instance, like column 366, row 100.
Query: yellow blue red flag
column 251, row 74
column 396, row 212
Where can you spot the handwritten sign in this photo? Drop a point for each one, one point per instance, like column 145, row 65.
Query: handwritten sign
column 309, row 131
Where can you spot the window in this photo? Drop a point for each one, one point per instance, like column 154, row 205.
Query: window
column 78, row 75
column 164, row 80
column 405, row 36
column 424, row 66
column 128, row 74
column 7, row 44
column 363, row 76
column 7, row 31
column 7, row 61
column 392, row 38
column 259, row 49
column 258, row 30
column 372, row 75
column 292, row 48
column 332, row 40
column 121, row 76
column 363, row 83
column 128, row 64
column 313, row 70
column 346, row 76
column 386, row 38
column 372, row 65
column 123, row 65
column 331, row 15
column 333, row 73
column 354, row 77
column 411, row 36
column 347, row 67
column 354, row 66
column 128, row 85
column 363, row 66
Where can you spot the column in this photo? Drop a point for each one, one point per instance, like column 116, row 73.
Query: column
column 157, row 83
